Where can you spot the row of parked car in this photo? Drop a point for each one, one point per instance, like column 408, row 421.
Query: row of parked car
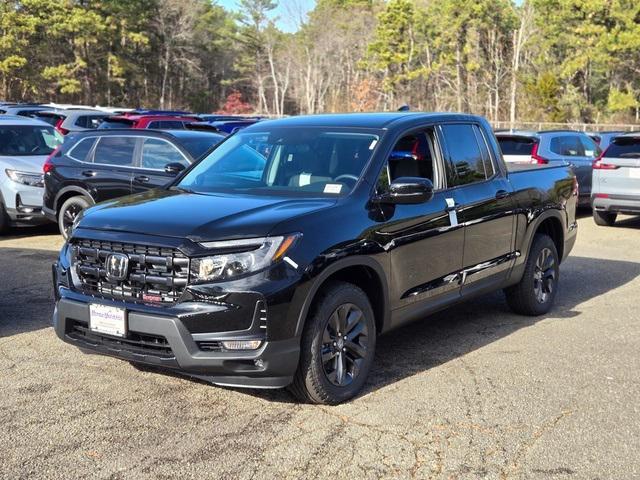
column 91, row 155
column 607, row 165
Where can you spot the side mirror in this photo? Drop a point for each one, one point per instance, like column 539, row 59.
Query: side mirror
column 174, row 168
column 408, row 190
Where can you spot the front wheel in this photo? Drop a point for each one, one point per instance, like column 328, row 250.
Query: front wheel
column 338, row 345
column 604, row 219
column 4, row 218
column 536, row 292
column 69, row 210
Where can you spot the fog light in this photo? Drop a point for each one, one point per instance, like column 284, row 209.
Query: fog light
column 241, row 344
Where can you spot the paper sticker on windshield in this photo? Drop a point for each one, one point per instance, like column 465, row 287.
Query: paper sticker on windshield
column 305, row 179
column 332, row 188
column 373, row 144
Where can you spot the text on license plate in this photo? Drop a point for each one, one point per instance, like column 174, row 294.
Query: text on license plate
column 108, row 320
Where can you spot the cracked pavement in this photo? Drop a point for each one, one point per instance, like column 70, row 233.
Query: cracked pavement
column 475, row 392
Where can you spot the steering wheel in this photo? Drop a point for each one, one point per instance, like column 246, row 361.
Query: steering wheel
column 346, row 176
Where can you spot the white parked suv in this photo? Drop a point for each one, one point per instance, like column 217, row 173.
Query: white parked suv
column 616, row 180
column 25, row 144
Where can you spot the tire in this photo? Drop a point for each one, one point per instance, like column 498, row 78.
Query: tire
column 604, row 219
column 68, row 211
column 4, row 219
column 347, row 362
column 536, row 292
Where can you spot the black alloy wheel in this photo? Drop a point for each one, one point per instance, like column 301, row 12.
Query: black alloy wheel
column 537, row 289
column 69, row 211
column 544, row 276
column 337, row 346
column 344, row 344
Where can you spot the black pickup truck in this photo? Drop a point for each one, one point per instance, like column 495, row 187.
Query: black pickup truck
column 278, row 259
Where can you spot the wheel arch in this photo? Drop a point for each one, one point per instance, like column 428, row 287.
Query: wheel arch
column 548, row 223
column 364, row 273
column 71, row 191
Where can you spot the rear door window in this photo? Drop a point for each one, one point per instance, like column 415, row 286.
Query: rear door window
column 465, row 159
column 80, row 151
column 567, row 146
column 157, row 153
column 116, row 151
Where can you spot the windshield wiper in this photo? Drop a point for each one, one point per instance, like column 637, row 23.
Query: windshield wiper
column 181, row 189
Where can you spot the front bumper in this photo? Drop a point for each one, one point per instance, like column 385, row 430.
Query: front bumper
column 23, row 203
column 164, row 341
column 629, row 204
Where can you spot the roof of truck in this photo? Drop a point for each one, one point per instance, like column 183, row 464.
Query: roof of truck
column 363, row 120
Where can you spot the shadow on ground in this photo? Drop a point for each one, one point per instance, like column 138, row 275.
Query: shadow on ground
column 466, row 327
column 26, row 304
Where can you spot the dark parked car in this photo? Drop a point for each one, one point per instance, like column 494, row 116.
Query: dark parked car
column 222, row 126
column 278, row 258
column 103, row 164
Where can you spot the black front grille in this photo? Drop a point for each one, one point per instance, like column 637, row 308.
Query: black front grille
column 155, row 274
column 135, row 343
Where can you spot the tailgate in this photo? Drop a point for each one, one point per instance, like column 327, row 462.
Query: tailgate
column 618, row 171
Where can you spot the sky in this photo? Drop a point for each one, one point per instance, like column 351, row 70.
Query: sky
column 288, row 11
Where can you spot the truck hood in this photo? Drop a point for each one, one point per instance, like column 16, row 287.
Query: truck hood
column 197, row 217
column 28, row 164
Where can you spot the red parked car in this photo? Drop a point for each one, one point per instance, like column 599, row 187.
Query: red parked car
column 162, row 122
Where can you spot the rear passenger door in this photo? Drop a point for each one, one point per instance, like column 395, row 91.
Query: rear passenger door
column 110, row 174
column 486, row 210
column 155, row 155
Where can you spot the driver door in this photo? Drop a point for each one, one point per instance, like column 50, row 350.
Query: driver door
column 424, row 240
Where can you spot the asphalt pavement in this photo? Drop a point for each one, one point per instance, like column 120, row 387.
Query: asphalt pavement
column 473, row 392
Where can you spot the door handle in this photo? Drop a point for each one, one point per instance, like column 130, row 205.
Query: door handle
column 500, row 194
column 141, row 179
column 89, row 173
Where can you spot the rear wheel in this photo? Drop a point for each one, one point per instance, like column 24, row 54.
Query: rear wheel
column 604, row 219
column 536, row 292
column 69, row 210
column 338, row 345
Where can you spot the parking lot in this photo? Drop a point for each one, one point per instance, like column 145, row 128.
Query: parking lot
column 476, row 392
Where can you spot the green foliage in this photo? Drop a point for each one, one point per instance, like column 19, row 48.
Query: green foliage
column 539, row 60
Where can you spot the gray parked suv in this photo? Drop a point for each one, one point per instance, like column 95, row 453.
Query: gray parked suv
column 616, row 180
column 25, row 144
column 574, row 148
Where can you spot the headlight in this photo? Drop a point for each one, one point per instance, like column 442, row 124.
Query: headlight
column 26, row 178
column 241, row 257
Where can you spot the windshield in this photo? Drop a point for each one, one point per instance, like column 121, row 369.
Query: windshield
column 24, row 140
column 301, row 161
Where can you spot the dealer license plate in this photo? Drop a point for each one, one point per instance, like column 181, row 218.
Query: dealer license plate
column 108, row 320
